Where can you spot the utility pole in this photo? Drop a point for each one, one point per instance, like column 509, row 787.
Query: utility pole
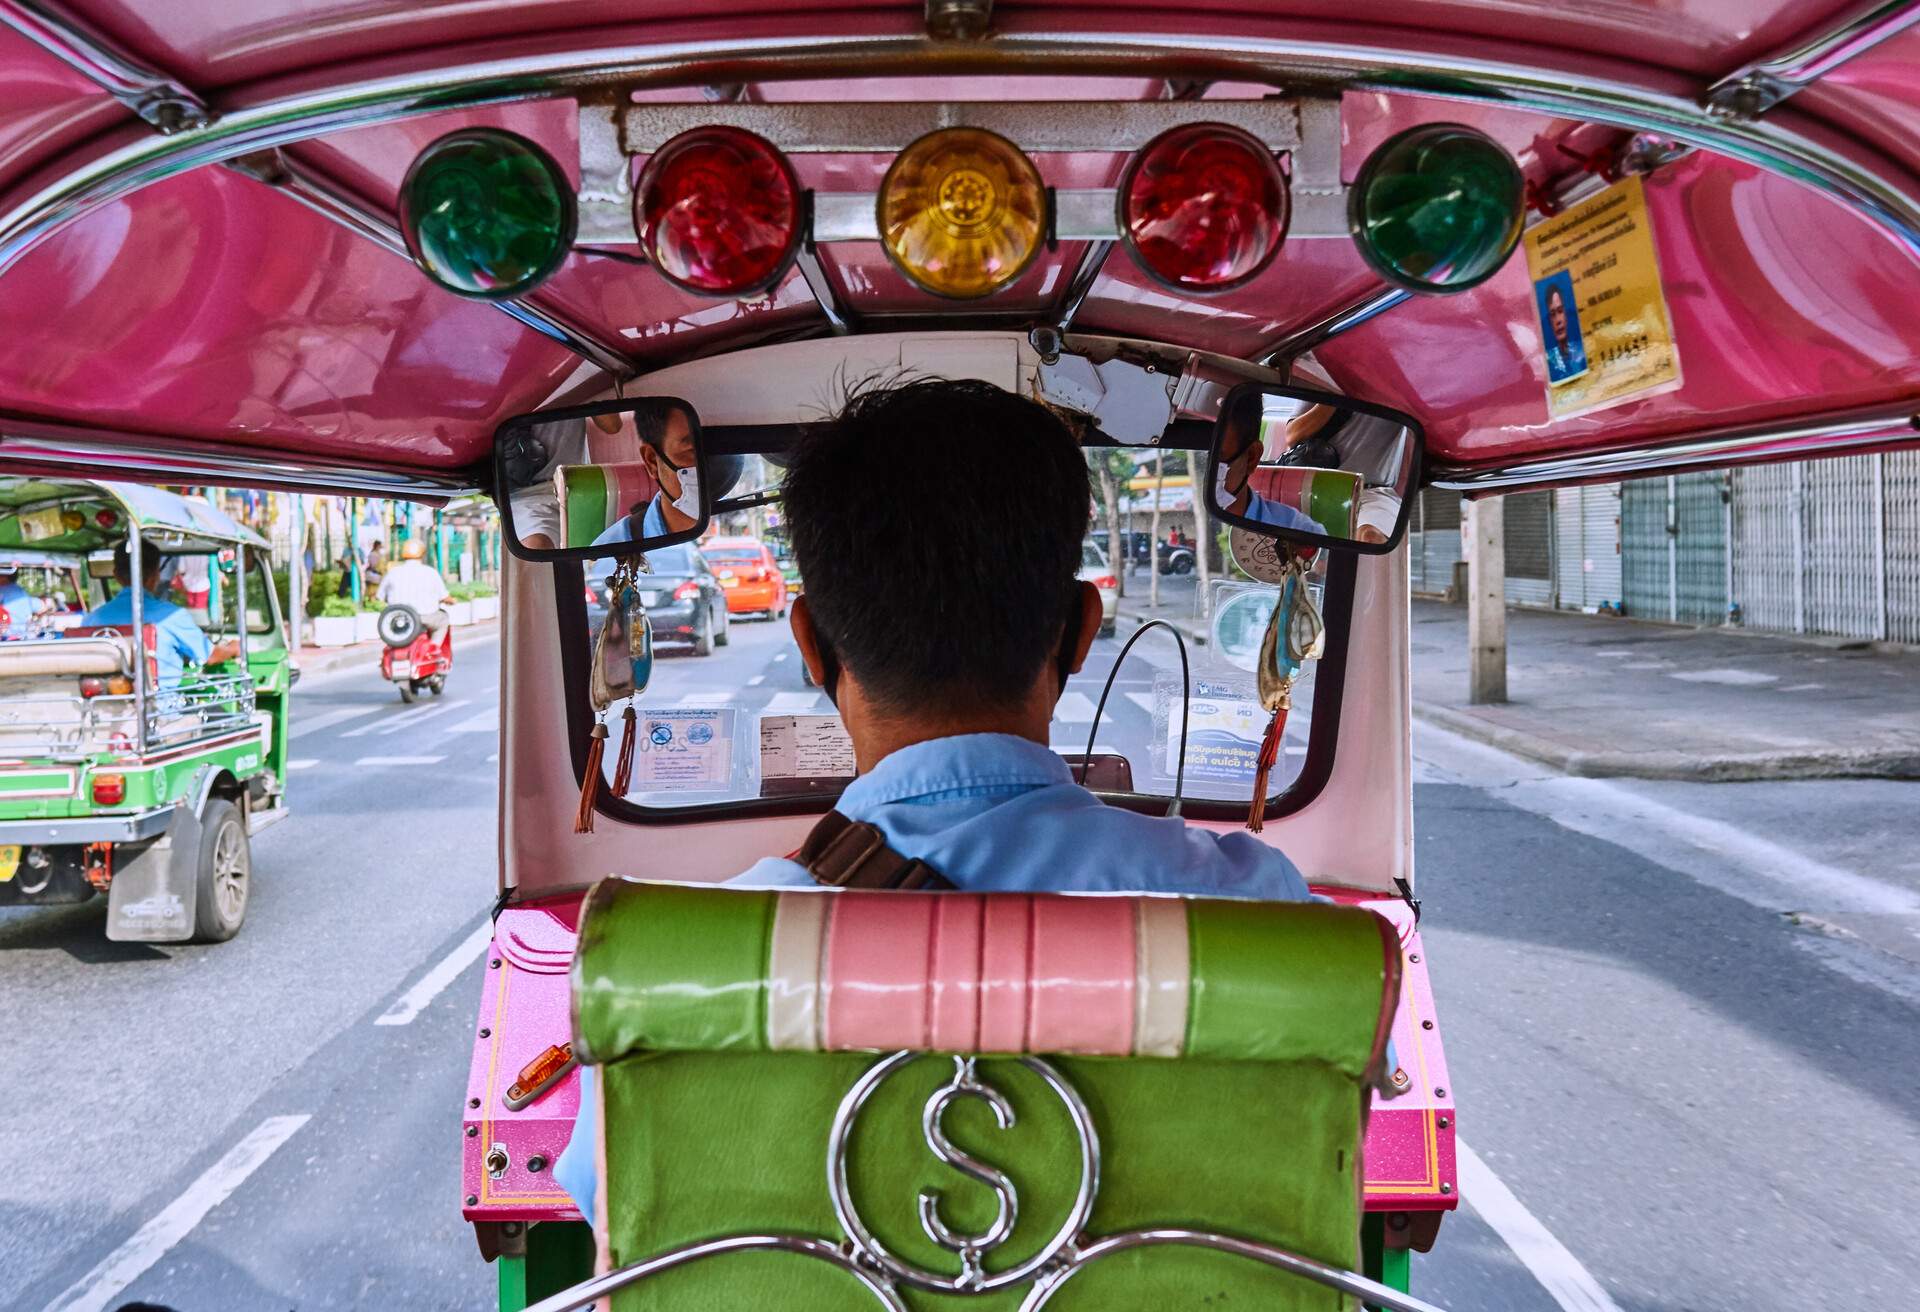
column 1486, row 541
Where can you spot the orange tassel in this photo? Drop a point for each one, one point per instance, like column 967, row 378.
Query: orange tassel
column 590, row 785
column 623, row 768
column 1263, row 769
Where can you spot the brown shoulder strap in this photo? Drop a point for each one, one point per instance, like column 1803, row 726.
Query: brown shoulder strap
column 843, row 853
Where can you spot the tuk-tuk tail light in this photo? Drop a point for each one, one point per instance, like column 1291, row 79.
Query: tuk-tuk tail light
column 962, row 212
column 1203, row 207
column 109, row 789
column 718, row 211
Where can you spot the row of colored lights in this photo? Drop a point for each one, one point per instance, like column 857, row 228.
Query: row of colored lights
column 962, row 212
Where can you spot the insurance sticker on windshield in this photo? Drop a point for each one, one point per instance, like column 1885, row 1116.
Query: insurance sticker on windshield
column 1223, row 736
column 683, row 750
column 805, row 747
column 1604, row 327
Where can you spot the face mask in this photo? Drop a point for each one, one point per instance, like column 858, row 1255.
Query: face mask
column 1221, row 497
column 688, row 502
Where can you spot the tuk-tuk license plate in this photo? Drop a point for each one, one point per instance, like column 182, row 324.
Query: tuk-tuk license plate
column 9, row 861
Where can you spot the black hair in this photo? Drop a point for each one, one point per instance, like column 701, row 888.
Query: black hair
column 650, row 422
column 938, row 526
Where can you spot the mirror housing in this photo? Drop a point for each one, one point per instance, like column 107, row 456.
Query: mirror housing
column 589, row 482
column 1313, row 468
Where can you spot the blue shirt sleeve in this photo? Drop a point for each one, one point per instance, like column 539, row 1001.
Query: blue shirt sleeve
column 1280, row 515
column 187, row 639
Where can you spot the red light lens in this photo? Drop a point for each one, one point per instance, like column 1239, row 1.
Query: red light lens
column 1204, row 208
column 109, row 789
column 686, row 591
column 718, row 212
column 106, row 518
column 92, row 686
column 1106, row 582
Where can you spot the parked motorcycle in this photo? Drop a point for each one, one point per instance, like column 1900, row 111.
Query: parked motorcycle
column 411, row 659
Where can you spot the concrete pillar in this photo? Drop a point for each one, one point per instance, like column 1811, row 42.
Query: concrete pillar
column 1486, row 601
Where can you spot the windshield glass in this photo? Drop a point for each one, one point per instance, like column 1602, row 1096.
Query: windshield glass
column 731, row 714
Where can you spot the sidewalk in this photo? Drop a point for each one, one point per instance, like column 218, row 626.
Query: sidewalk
column 1599, row 696
column 324, row 660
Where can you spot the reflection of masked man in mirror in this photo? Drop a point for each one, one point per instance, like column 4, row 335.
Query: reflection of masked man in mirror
column 668, row 451
column 1239, row 456
column 531, row 457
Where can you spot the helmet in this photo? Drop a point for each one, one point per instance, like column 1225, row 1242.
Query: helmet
column 415, row 549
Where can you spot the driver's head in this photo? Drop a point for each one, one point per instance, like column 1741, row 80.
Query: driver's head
column 414, row 549
column 151, row 563
column 666, row 444
column 938, row 526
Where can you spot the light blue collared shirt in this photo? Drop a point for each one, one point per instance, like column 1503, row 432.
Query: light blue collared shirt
column 21, row 606
column 1264, row 510
column 653, row 525
column 177, row 639
column 996, row 813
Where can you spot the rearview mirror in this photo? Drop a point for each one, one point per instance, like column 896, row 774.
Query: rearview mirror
column 1311, row 468
column 616, row 478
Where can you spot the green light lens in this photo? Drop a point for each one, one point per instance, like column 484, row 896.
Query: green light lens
column 487, row 213
column 1437, row 208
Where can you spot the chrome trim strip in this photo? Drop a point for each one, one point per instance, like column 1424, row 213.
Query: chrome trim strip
column 1074, row 294
column 1788, row 143
column 331, row 201
column 887, row 127
column 587, row 1292
column 1349, row 316
column 164, row 103
column 145, row 459
column 88, row 829
column 1764, row 83
column 1798, row 439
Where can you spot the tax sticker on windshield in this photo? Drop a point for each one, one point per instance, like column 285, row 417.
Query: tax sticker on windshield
column 684, row 750
column 1223, row 736
column 805, row 747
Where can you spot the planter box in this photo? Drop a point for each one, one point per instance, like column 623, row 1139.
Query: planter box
column 461, row 612
column 486, row 608
column 366, row 626
column 333, row 630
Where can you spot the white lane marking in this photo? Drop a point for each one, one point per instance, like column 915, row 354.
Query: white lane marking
column 1141, row 699
column 399, row 760
column 304, row 763
column 707, row 699
column 151, row 1241
column 484, row 722
column 1717, row 854
column 1559, row 1272
column 400, row 724
column 790, row 703
column 1732, row 678
column 782, row 656
column 1074, row 708
column 325, row 719
column 493, row 756
column 756, row 680
column 429, row 986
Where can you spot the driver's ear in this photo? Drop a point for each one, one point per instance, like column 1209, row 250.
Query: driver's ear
column 801, row 620
column 1091, row 618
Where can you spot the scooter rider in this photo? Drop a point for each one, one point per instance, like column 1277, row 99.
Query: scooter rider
column 938, row 526
column 418, row 585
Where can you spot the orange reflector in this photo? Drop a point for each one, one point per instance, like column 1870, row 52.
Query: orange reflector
column 109, row 789
column 537, row 1074
column 962, row 212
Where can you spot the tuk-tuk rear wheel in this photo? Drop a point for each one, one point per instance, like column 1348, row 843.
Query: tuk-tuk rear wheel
column 224, row 877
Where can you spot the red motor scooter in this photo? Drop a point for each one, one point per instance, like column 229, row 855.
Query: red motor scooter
column 411, row 659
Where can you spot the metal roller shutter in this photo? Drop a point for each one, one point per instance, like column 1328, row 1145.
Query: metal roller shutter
column 1842, row 547
column 1900, row 492
column 1766, row 547
column 1700, row 547
column 1436, row 546
column 1586, row 534
column 1529, row 539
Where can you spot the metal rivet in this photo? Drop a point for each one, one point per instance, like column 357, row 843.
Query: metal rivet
column 1425, row 1025
column 473, row 1102
column 494, row 964
column 1414, row 957
column 536, row 1162
column 486, row 1033
column 473, row 1132
column 1445, row 1188
column 1439, row 1093
column 1445, row 1121
column 472, row 1201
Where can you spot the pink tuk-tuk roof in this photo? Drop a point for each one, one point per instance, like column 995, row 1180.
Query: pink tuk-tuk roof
column 163, row 292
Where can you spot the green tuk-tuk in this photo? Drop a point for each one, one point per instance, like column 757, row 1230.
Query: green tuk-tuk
column 124, row 767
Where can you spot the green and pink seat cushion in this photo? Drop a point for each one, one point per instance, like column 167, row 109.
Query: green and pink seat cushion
column 1157, row 1079
column 595, row 497
column 1329, row 497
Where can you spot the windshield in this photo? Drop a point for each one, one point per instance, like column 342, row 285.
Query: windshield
column 731, row 715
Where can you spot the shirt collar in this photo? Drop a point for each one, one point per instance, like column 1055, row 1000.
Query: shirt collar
column 942, row 765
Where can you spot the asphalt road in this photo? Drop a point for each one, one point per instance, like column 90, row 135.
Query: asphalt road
column 1688, row 1086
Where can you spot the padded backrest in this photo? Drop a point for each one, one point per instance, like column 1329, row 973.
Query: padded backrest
column 149, row 639
column 1221, row 1051
column 1329, row 497
column 95, row 651
column 593, row 497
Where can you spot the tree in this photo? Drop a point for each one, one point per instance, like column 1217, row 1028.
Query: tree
column 1153, row 532
column 1112, row 467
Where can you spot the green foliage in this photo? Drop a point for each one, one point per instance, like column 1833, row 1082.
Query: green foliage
column 469, row 591
column 322, row 588
column 336, row 608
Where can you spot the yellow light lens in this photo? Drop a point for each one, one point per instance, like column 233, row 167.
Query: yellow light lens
column 962, row 212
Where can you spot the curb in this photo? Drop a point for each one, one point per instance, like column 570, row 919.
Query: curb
column 1195, row 633
column 1738, row 767
column 325, row 660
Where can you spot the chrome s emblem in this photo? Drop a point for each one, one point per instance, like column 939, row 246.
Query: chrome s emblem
column 971, row 1249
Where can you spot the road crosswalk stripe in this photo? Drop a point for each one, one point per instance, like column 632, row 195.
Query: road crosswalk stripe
column 1143, row 700
column 326, row 719
column 405, row 720
column 484, row 722
column 303, row 763
column 1074, row 708
column 707, row 699
column 399, row 760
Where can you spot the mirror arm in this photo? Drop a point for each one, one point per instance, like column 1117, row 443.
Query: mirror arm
column 766, row 497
